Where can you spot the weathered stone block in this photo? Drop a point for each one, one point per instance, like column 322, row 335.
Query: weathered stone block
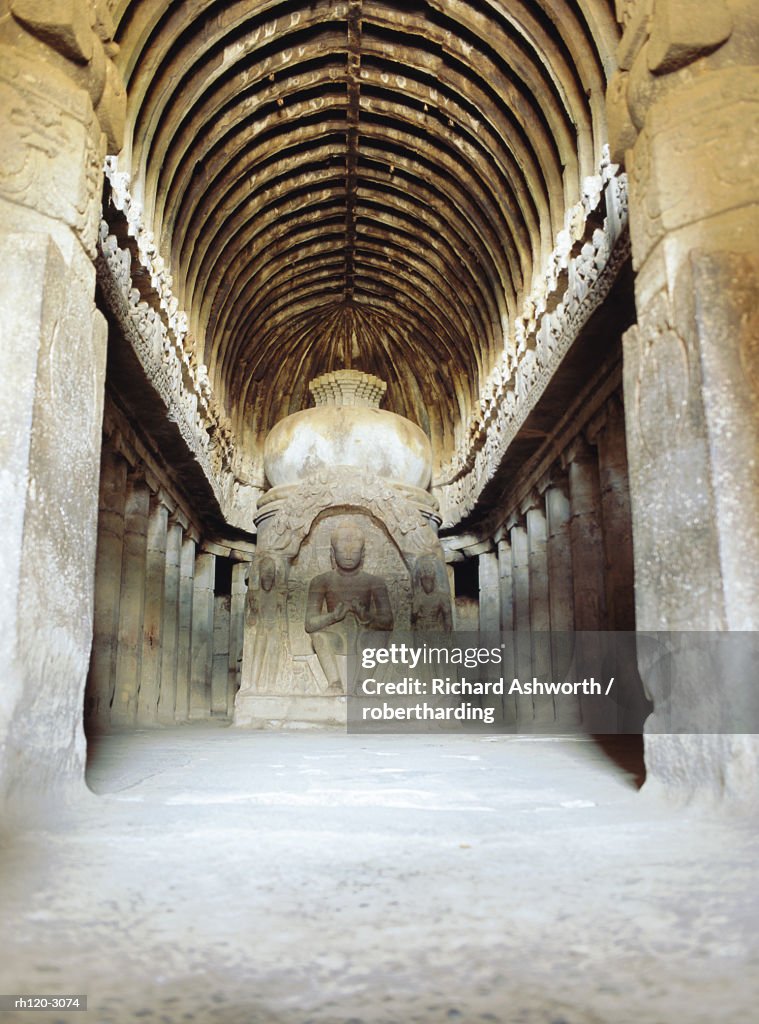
column 635, row 17
column 50, row 157
column 725, row 287
column 682, row 30
column 111, row 109
column 62, row 24
column 701, row 141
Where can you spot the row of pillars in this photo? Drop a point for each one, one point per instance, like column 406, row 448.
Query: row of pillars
column 563, row 560
column 166, row 646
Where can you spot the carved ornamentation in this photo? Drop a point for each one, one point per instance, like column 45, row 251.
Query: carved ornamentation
column 346, row 546
column 157, row 330
column 588, row 267
column 59, row 102
column 164, row 362
column 43, row 128
column 293, row 520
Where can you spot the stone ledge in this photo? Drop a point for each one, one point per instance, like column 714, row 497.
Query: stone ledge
column 292, row 712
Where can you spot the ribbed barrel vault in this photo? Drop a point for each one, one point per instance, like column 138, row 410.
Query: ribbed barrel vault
column 359, row 183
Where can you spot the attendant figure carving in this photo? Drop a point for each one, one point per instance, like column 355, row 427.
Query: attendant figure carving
column 264, row 631
column 431, row 608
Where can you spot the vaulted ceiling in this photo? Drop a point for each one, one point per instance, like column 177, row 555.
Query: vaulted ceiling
column 359, row 183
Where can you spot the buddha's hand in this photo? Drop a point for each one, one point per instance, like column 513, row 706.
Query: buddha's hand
column 361, row 611
column 339, row 612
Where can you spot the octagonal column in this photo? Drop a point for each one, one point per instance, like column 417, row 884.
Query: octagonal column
column 184, row 638
column 520, row 573
column 110, row 546
column 131, row 602
column 170, row 628
column 586, row 536
column 540, row 618
column 490, row 598
column 152, row 623
column 201, row 670
column 607, row 433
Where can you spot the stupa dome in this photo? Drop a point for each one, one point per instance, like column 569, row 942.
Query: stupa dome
column 346, row 427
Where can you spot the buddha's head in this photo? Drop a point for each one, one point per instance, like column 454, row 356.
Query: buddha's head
column 347, row 543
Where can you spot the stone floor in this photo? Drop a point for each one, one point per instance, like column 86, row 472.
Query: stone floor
column 247, row 878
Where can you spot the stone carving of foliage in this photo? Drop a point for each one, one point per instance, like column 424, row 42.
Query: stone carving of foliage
column 345, row 488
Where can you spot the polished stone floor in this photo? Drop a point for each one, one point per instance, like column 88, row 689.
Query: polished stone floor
column 230, row 877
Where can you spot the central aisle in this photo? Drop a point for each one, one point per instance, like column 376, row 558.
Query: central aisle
column 230, row 877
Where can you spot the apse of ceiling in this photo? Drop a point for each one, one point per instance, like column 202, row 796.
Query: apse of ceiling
column 357, row 183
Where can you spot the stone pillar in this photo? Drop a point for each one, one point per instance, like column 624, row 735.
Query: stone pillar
column 170, row 629
column 236, row 630
column 538, row 564
column 202, row 636
column 505, row 585
column 507, row 625
column 220, row 670
column 560, row 592
column 683, row 119
column 490, row 599
column 559, row 557
column 184, row 638
column 131, row 602
column 540, row 617
column 586, row 538
column 110, row 544
column 607, row 432
column 152, row 622
column 520, row 574
column 452, row 586
column 58, row 99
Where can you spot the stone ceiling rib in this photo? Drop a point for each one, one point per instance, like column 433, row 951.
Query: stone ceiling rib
column 359, row 182
column 352, row 143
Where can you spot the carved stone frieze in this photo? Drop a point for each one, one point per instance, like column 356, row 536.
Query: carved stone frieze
column 42, row 129
column 138, row 290
column 160, row 353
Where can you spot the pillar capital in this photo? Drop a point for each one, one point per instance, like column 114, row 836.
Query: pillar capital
column 558, row 482
column 597, row 425
column 178, row 518
column 164, row 498
column 578, row 451
column 534, row 500
column 660, row 38
column 514, row 521
column 136, row 475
